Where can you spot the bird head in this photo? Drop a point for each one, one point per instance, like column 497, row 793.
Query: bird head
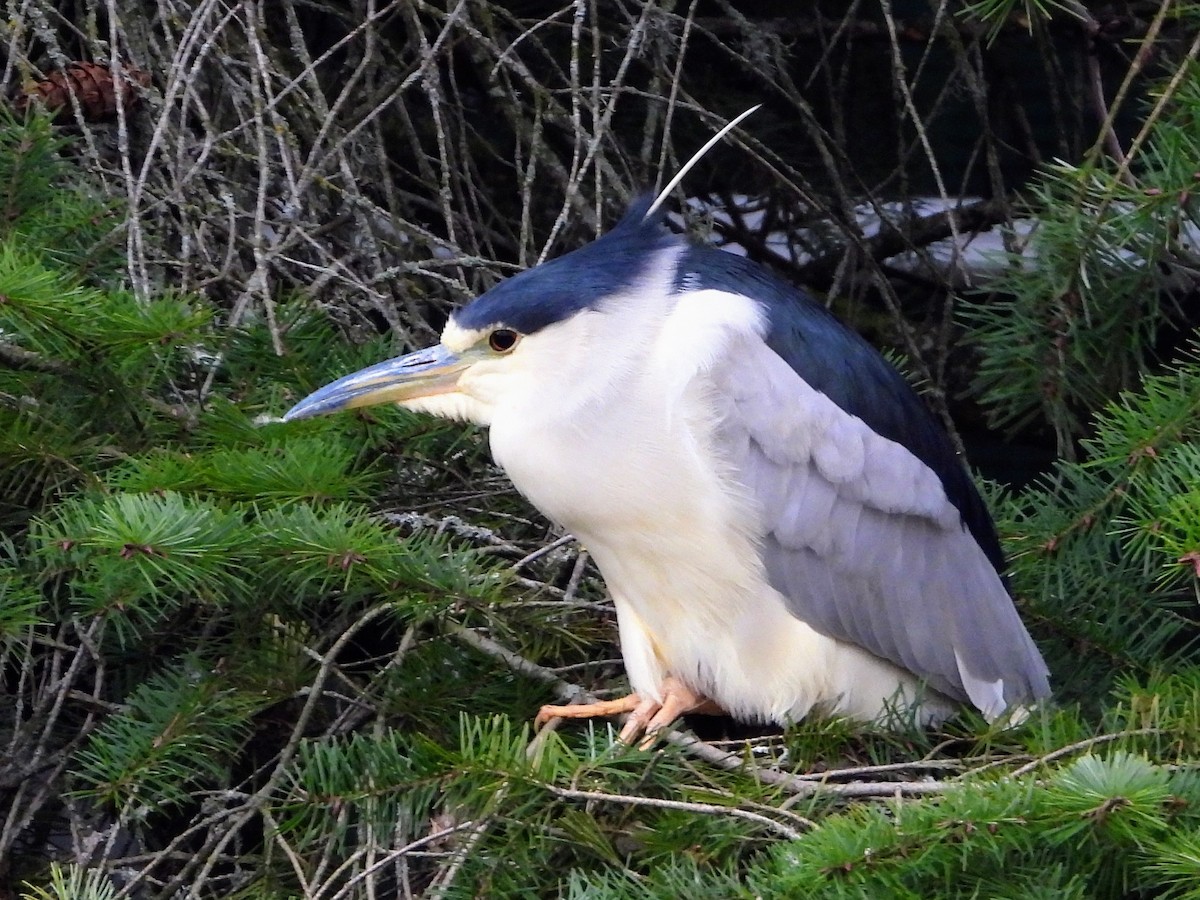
column 550, row 334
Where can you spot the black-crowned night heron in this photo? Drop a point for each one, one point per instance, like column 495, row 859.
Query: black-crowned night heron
column 781, row 523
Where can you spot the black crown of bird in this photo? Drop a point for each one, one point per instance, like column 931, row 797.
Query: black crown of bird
column 782, row 525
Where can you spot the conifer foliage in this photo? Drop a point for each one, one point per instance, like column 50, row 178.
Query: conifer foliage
column 246, row 659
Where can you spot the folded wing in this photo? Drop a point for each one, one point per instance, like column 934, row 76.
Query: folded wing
column 862, row 540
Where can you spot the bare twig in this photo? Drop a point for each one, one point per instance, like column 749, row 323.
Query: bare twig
column 708, row 809
column 1080, row 747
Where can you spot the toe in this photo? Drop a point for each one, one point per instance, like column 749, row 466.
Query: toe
column 637, row 721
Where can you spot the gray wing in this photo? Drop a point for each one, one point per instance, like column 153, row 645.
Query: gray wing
column 861, row 540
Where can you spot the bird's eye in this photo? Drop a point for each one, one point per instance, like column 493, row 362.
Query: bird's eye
column 503, row 339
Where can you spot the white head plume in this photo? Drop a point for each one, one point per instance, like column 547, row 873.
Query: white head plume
column 696, row 157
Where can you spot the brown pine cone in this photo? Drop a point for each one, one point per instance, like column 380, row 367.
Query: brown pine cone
column 93, row 85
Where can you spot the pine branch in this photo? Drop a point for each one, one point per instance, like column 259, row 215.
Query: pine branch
column 19, row 358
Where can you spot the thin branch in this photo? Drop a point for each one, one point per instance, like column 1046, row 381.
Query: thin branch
column 708, row 809
column 1080, row 747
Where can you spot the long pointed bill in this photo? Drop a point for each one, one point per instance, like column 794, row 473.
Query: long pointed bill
column 434, row 370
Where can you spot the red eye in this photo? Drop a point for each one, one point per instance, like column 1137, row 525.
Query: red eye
column 503, row 339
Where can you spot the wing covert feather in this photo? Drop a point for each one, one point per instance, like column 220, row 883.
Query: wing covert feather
column 862, row 541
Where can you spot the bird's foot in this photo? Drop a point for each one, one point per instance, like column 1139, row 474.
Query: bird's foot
column 647, row 716
column 650, row 717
